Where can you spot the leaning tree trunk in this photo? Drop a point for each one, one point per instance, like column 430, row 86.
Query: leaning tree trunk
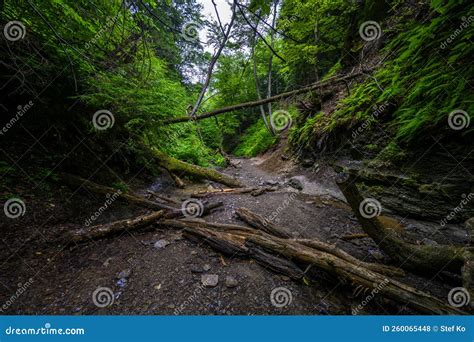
column 419, row 259
column 182, row 168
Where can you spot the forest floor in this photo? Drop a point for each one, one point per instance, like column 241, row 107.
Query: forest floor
column 150, row 279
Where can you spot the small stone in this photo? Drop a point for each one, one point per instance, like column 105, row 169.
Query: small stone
column 230, row 282
column 124, row 274
column 307, row 162
column 209, row 280
column 285, row 278
column 194, row 252
column 195, row 269
column 271, row 182
column 206, row 267
column 161, row 243
column 295, row 183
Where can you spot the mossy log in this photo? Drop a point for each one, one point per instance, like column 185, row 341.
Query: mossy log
column 180, row 168
column 419, row 259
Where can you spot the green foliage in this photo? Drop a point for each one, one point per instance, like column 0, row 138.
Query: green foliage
column 257, row 139
column 421, row 86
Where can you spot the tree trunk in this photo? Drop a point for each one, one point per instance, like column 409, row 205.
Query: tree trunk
column 419, row 259
column 78, row 182
column 183, row 168
column 329, row 81
column 108, row 229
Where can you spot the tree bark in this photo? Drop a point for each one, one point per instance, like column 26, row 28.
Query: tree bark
column 419, row 259
column 77, row 182
column 183, row 168
column 252, row 104
column 261, row 223
column 108, row 229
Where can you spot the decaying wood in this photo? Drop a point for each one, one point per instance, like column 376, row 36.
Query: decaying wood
column 177, row 181
column 255, row 191
column 317, row 85
column 356, row 275
column 177, row 213
column 164, row 198
column 100, row 231
column 77, row 182
column 261, row 223
column 212, row 192
column 419, row 259
column 236, row 240
column 354, row 236
column 179, row 167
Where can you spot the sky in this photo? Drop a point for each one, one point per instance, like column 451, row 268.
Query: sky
column 225, row 13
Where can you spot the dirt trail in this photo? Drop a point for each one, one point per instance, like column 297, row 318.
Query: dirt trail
column 150, row 279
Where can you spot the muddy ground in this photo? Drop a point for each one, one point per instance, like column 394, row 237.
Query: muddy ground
column 144, row 279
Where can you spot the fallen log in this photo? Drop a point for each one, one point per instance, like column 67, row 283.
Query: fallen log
column 424, row 259
column 237, row 240
column 78, row 182
column 354, row 236
column 258, row 222
column 207, row 193
column 261, row 223
column 356, row 275
column 180, row 168
column 257, row 103
column 164, row 198
column 108, row 229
